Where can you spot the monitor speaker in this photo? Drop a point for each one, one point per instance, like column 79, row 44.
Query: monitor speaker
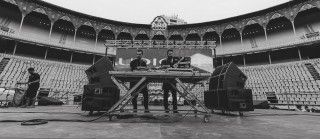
column 229, row 99
column 98, row 73
column 227, row 76
column 99, row 97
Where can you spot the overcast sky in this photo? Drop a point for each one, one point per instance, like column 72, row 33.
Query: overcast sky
column 143, row 11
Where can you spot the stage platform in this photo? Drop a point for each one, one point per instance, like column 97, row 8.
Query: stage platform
column 257, row 124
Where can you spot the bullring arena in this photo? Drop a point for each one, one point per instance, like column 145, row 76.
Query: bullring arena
column 276, row 48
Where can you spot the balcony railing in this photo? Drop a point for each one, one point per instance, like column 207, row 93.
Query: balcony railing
column 173, row 44
column 51, row 44
column 161, row 44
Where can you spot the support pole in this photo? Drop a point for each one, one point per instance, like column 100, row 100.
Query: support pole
column 299, row 54
column 222, row 61
column 15, row 47
column 220, row 36
column 265, row 33
column 244, row 60
column 294, row 28
column 46, row 54
column 241, row 39
column 22, row 19
column 94, row 59
column 270, row 58
column 95, row 45
column 74, row 37
column 71, row 58
column 51, row 30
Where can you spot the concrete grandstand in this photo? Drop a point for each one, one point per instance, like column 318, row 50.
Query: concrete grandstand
column 277, row 48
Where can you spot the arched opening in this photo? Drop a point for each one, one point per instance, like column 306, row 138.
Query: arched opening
column 193, row 37
column 124, row 36
column 176, row 38
column 253, row 36
column 142, row 37
column 10, row 17
column 231, row 40
column 86, row 37
column 159, row 37
column 211, row 36
column 307, row 23
column 102, row 37
column 36, row 26
column 279, row 30
column 62, row 32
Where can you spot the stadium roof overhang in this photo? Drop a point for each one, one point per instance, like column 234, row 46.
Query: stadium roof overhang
column 148, row 26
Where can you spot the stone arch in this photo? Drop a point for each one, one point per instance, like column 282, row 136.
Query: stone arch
column 40, row 10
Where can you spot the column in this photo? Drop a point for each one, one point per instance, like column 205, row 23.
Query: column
column 46, row 53
column 270, row 62
column 71, row 58
column 294, row 28
column 241, row 39
column 167, row 40
column 95, row 45
column 299, row 53
column 94, row 59
column 74, row 37
column 22, row 19
column 15, row 47
column 222, row 63
column 244, row 60
column 265, row 33
column 51, row 30
column 220, row 36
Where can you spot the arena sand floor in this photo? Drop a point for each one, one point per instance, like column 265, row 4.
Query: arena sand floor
column 264, row 124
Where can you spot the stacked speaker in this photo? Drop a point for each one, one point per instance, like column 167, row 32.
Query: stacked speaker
column 101, row 93
column 226, row 90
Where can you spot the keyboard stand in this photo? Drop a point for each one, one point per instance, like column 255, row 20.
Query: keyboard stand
column 131, row 93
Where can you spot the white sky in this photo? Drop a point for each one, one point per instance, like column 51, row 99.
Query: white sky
column 143, row 11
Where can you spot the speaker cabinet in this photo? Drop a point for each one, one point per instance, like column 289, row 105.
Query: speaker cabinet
column 229, row 99
column 99, row 97
column 228, row 75
column 98, row 73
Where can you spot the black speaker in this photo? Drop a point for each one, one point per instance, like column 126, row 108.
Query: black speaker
column 227, row 76
column 229, row 99
column 98, row 97
column 98, row 73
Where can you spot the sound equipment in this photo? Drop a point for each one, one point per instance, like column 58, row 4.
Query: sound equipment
column 99, row 97
column 261, row 104
column 98, row 73
column 44, row 101
column 182, row 62
column 228, row 75
column 231, row 99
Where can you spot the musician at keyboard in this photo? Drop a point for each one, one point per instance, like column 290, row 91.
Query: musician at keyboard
column 138, row 64
column 169, row 63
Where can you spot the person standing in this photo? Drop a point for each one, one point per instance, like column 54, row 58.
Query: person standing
column 33, row 86
column 169, row 63
column 138, row 64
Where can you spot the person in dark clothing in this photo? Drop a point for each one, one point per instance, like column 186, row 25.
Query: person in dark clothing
column 33, row 86
column 168, row 63
column 138, row 64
